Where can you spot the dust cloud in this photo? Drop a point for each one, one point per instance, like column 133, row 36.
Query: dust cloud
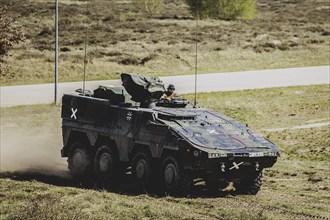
column 31, row 142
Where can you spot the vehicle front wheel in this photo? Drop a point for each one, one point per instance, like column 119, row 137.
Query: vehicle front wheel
column 174, row 181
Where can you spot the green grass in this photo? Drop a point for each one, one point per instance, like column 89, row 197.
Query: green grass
column 296, row 187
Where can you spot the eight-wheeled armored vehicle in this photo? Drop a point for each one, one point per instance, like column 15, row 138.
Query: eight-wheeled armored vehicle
column 115, row 129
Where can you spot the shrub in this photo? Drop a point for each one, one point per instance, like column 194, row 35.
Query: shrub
column 149, row 7
column 223, row 9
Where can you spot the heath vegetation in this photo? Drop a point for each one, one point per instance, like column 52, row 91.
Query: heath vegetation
column 124, row 37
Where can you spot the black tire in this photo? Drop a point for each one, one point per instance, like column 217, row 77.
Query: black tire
column 174, row 181
column 80, row 161
column 105, row 164
column 213, row 185
column 141, row 170
column 251, row 184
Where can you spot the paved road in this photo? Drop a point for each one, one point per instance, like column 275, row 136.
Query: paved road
column 44, row 93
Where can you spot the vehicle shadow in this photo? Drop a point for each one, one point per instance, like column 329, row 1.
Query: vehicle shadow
column 121, row 185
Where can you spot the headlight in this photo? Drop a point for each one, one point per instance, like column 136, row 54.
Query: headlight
column 214, row 155
column 271, row 154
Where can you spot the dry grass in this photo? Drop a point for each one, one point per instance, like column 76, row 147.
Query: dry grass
column 284, row 34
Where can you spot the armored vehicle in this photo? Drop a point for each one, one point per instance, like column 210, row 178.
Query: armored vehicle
column 121, row 129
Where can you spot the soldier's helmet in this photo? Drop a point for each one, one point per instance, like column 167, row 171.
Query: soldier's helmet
column 171, row 87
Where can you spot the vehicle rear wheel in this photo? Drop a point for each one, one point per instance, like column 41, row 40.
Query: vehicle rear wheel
column 250, row 184
column 174, row 181
column 141, row 169
column 105, row 164
column 79, row 161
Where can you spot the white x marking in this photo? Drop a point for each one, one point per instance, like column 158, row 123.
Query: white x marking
column 74, row 111
column 212, row 132
column 235, row 165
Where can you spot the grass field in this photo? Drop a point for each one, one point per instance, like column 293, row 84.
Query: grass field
column 35, row 184
column 284, row 34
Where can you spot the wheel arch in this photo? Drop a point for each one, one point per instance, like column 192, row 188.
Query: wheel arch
column 172, row 152
column 72, row 137
column 137, row 147
column 104, row 140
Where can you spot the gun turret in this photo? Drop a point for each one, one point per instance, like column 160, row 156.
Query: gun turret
column 143, row 89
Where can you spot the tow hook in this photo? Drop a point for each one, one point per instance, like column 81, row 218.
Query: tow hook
column 223, row 167
column 257, row 166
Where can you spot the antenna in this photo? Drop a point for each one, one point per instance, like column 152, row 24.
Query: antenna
column 196, row 56
column 56, row 52
column 85, row 58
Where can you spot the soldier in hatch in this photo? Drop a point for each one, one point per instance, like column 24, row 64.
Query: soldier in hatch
column 169, row 94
